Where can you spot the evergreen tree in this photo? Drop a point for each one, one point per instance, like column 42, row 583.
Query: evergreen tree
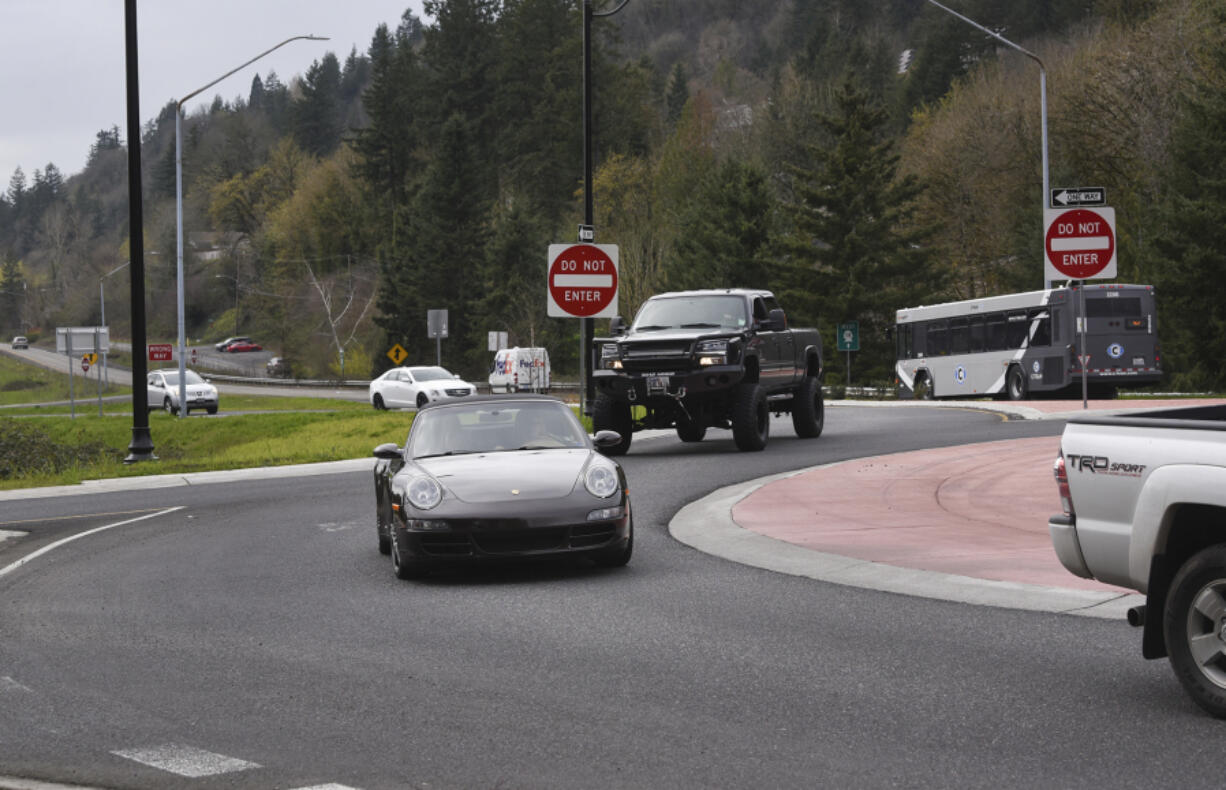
column 460, row 52
column 1191, row 274
column 678, row 95
column 726, row 231
column 538, row 73
column 852, row 253
column 442, row 253
column 317, row 115
column 255, row 99
column 17, row 188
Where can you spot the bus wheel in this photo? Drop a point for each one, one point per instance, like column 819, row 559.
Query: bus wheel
column 1015, row 383
column 923, row 387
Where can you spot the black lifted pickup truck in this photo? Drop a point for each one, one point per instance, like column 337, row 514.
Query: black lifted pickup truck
column 708, row 359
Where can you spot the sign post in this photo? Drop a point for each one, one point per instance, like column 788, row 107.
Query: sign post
column 1080, row 245
column 436, row 327
column 849, row 341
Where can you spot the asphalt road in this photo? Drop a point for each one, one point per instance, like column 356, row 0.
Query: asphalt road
column 258, row 630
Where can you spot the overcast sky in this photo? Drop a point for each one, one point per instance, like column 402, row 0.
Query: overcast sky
column 62, row 74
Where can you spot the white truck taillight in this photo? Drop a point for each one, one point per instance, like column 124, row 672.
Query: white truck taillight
column 1066, row 496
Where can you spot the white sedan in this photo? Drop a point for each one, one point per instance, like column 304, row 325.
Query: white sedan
column 401, row 388
column 163, row 389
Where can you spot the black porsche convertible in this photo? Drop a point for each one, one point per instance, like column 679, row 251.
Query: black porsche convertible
column 500, row 477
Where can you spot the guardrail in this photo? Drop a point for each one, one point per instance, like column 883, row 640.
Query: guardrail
column 483, row 388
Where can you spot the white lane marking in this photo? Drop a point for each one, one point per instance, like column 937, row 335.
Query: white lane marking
column 5, row 534
column 186, row 760
column 14, row 566
column 329, row 786
column 8, row 684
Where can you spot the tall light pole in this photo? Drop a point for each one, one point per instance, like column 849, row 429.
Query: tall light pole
column 179, row 204
column 1042, row 95
column 587, row 233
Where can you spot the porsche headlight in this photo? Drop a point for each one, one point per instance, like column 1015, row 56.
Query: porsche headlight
column 424, row 493
column 713, row 352
column 600, row 480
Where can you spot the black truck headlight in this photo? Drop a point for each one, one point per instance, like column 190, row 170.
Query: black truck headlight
column 609, row 356
column 713, row 352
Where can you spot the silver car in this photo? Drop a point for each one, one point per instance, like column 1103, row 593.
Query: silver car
column 163, row 389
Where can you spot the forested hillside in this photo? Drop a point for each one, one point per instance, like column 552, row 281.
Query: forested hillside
column 855, row 157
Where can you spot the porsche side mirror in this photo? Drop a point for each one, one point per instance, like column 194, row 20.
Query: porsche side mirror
column 605, row 439
column 388, row 452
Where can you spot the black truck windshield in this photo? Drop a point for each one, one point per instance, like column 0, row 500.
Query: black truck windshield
column 692, row 312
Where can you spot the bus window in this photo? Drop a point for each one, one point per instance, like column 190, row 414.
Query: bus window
column 996, row 332
column 1126, row 307
column 935, row 340
column 977, row 334
column 958, row 336
column 1041, row 321
column 1016, row 330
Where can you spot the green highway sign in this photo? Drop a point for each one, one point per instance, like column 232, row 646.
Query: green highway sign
column 849, row 336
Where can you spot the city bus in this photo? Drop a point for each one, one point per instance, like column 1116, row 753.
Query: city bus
column 1017, row 344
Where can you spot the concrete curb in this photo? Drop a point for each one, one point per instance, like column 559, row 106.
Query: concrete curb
column 707, row 525
column 145, row 482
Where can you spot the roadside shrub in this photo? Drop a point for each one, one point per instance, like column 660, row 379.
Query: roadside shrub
column 26, row 451
column 21, row 384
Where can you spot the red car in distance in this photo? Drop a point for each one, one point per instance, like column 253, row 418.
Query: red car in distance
column 242, row 345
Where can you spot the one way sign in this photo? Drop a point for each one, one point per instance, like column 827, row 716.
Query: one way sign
column 1081, row 196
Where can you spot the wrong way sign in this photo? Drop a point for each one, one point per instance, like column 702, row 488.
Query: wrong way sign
column 582, row 281
column 1079, row 243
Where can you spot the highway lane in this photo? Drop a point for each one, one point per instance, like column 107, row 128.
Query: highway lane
column 259, row 625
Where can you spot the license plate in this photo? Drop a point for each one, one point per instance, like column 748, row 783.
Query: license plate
column 657, row 384
column 1138, row 362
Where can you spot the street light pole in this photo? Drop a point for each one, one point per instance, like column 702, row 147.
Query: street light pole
column 587, row 325
column 179, row 205
column 1042, row 97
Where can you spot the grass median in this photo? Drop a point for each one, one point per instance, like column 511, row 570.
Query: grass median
column 59, row 450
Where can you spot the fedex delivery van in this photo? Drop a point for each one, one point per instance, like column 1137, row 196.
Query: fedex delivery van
column 520, row 370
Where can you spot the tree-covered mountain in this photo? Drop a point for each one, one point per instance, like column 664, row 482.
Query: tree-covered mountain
column 856, row 157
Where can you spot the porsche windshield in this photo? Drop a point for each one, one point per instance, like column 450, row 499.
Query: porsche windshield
column 692, row 312
column 495, row 427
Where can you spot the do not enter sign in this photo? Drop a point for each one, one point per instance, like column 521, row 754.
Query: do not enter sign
column 582, row 281
column 1080, row 243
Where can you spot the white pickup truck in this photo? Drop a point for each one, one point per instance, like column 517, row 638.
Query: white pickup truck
column 1144, row 501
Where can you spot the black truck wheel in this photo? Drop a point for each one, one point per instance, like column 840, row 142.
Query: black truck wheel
column 1194, row 623
column 808, row 408
column 613, row 415
column 751, row 419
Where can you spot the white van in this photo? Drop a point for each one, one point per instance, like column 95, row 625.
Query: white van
column 520, row 369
